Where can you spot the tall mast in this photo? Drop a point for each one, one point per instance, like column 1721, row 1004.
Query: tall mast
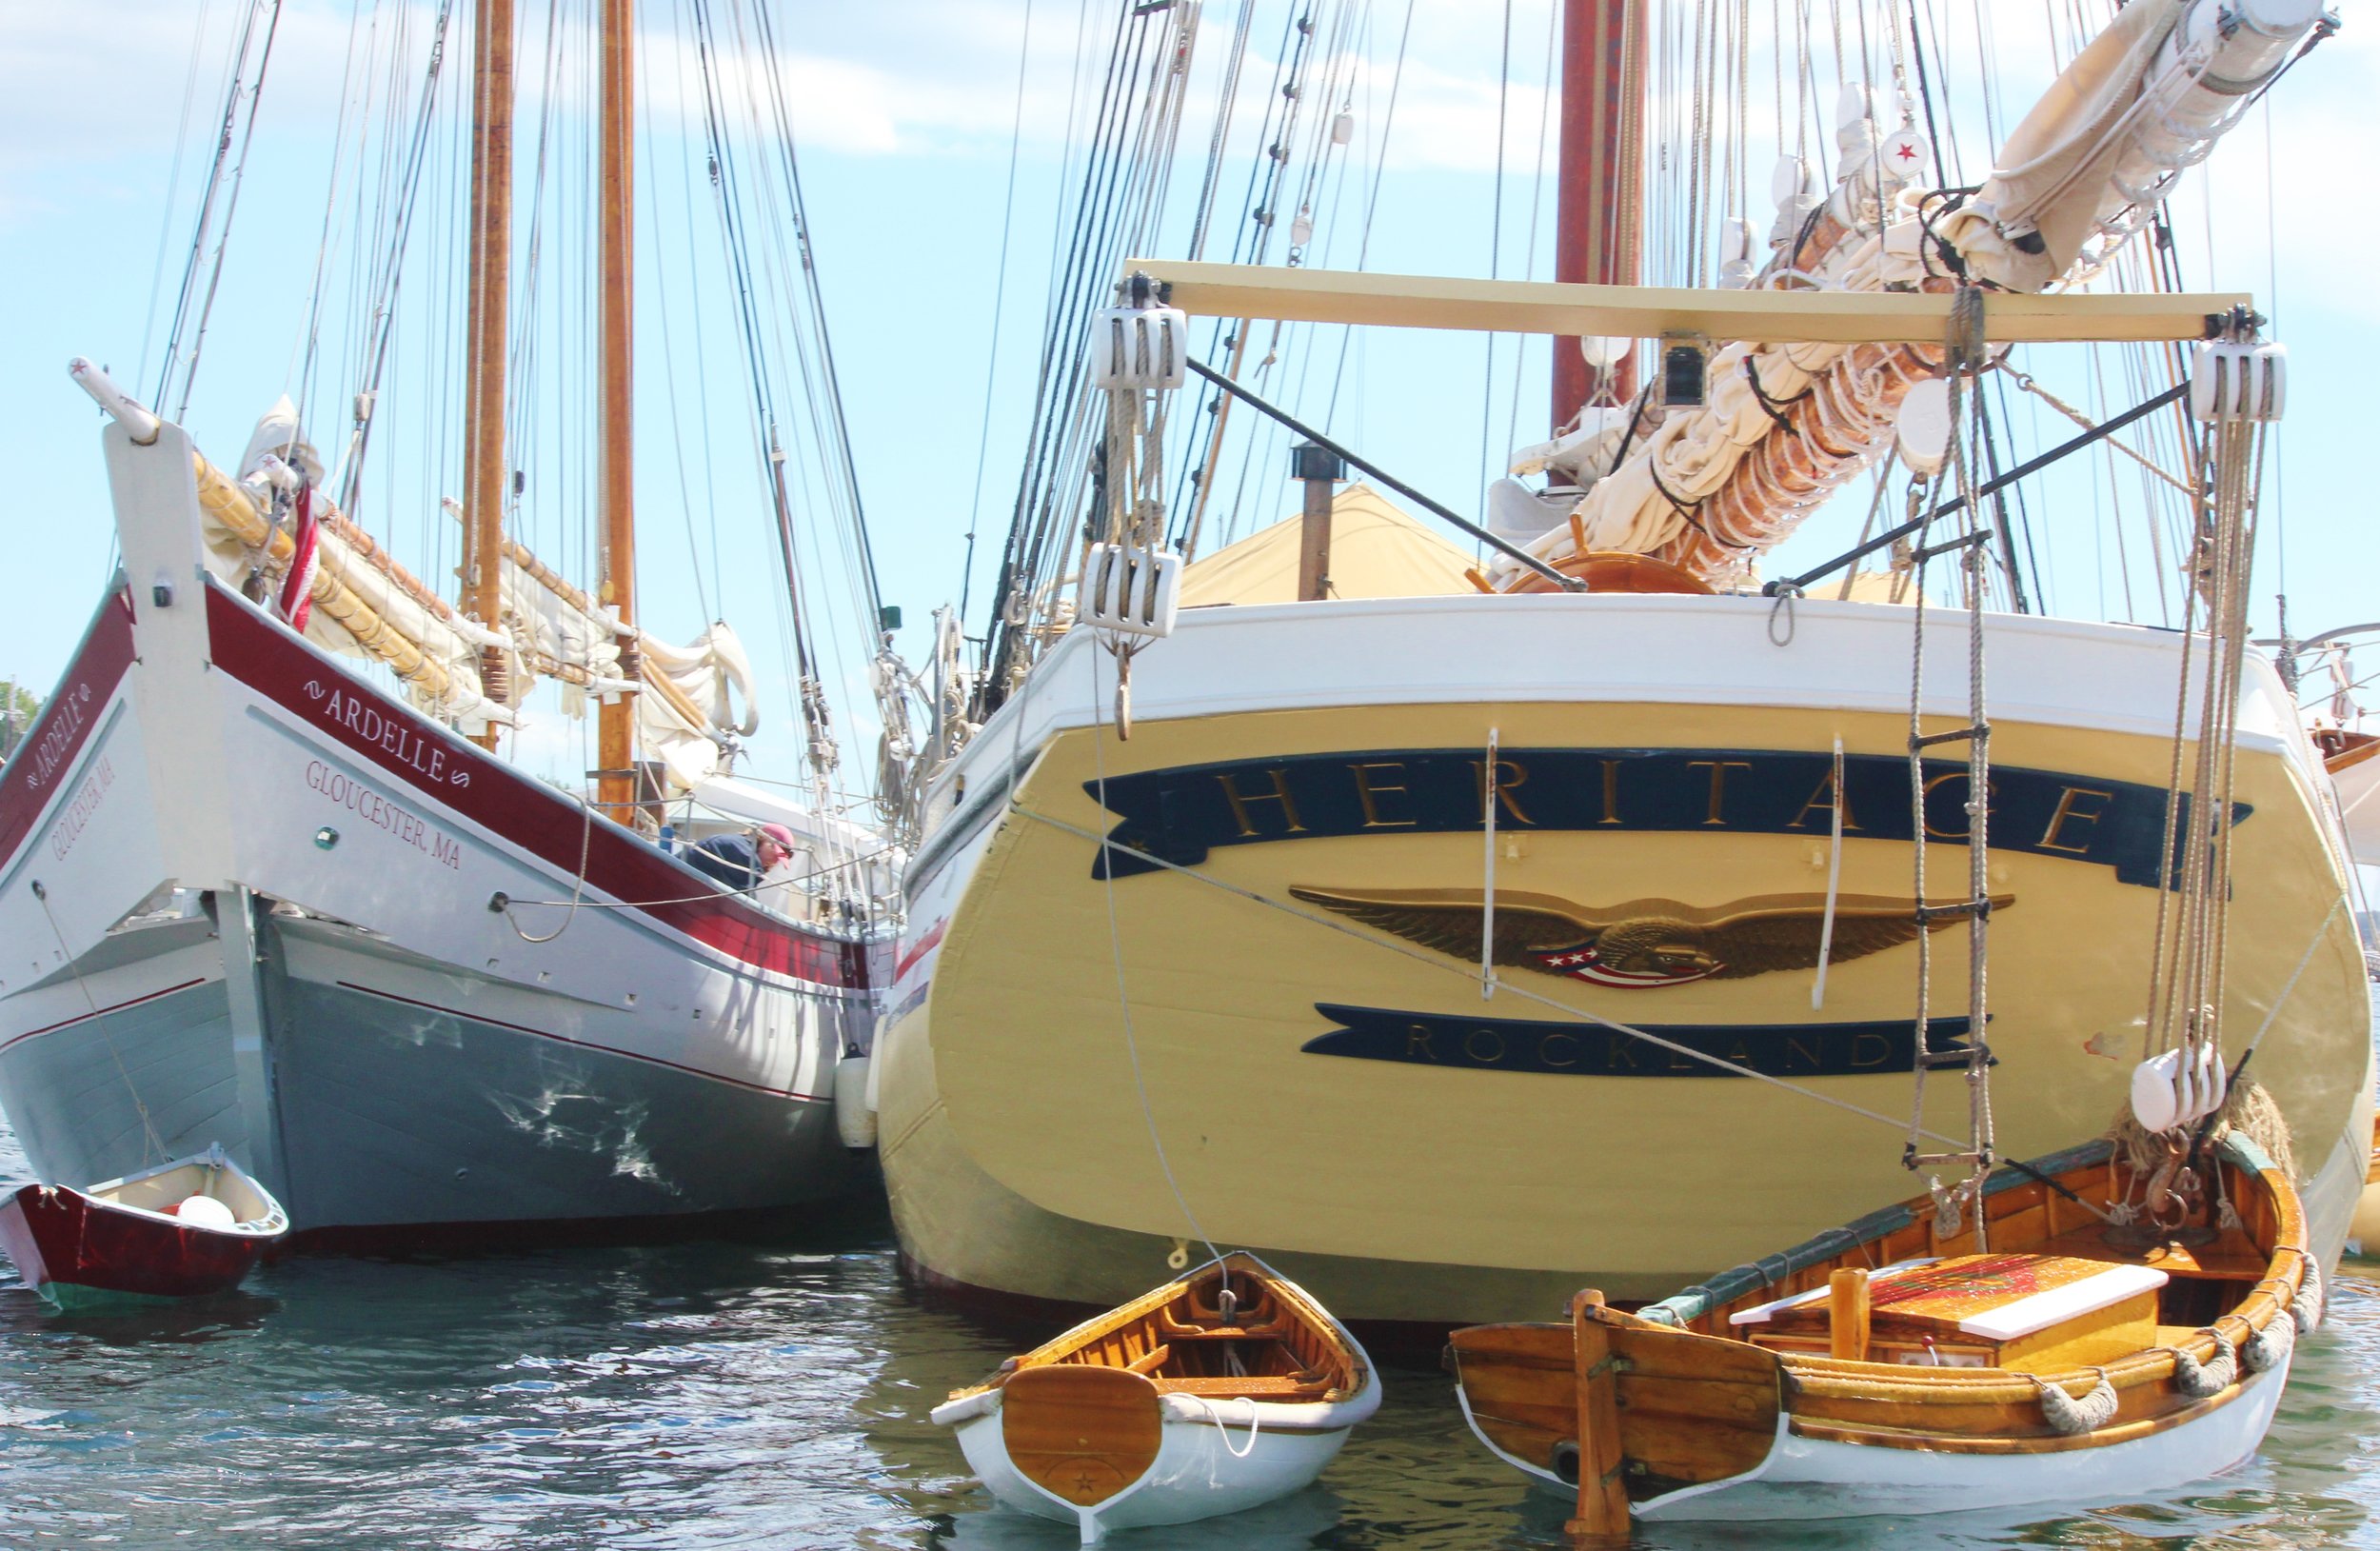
column 616, row 786
column 485, row 328
column 1598, row 228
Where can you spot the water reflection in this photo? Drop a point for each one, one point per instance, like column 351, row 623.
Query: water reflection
column 701, row 1395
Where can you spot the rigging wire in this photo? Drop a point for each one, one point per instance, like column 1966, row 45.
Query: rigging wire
column 1537, row 198
column 382, row 302
column 233, row 92
column 1488, row 466
column 1135, row 126
column 999, row 297
column 1372, row 204
column 725, row 187
column 174, row 188
column 669, row 372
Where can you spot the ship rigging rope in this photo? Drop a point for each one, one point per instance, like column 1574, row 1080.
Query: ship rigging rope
column 382, row 310
column 232, row 93
column 826, row 387
column 999, row 297
column 173, row 189
column 2026, row 382
column 577, row 883
column 1371, row 204
column 1023, row 557
column 2185, row 1002
column 1116, row 203
column 1124, row 992
column 678, row 438
column 1261, row 212
column 1965, row 358
column 1495, row 256
column 1546, row 96
column 1581, row 1015
column 74, row 969
column 752, row 893
column 1315, row 205
column 727, row 187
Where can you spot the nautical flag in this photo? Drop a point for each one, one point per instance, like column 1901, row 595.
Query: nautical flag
column 297, row 587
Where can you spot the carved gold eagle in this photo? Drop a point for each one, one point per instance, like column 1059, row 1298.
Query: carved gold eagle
column 1641, row 943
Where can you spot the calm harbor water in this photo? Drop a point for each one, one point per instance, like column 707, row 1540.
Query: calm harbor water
column 710, row 1395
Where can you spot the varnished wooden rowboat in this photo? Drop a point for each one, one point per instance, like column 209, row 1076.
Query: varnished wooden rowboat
column 186, row 1229
column 1886, row 1367
column 1227, row 1388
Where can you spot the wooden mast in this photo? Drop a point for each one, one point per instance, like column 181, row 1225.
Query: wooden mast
column 1599, row 226
column 616, row 783
column 485, row 330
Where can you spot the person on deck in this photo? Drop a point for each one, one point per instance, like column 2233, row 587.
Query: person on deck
column 739, row 861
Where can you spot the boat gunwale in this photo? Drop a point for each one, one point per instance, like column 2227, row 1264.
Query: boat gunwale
column 273, row 1224
column 1302, row 1305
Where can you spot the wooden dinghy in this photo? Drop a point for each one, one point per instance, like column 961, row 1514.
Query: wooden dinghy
column 1888, row 1367
column 184, row 1229
column 1222, row 1390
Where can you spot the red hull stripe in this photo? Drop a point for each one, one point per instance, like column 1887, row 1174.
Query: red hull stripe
column 100, row 1012
column 73, row 709
column 922, row 946
column 584, row 1044
column 457, row 775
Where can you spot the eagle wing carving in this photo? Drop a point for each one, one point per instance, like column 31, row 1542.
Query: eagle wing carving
column 1784, row 932
column 1748, row 937
column 1448, row 920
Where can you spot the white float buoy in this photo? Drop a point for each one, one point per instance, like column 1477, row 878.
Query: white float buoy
column 205, row 1212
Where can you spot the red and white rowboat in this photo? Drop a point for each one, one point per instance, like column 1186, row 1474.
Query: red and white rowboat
column 184, row 1229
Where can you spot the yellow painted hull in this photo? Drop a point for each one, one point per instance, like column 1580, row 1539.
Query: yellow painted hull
column 1022, row 1111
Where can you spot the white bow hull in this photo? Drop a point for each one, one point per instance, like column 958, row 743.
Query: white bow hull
column 260, row 901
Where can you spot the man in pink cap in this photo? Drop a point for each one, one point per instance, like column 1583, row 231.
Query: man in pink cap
column 740, row 862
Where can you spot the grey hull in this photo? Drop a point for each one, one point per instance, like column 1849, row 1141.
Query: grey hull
column 393, row 1113
column 75, row 1094
column 390, row 1114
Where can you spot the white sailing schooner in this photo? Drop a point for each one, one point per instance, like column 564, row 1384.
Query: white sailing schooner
column 275, row 882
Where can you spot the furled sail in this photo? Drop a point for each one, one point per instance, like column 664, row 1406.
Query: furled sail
column 373, row 608
column 1785, row 426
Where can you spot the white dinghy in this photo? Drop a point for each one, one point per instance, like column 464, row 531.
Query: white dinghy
column 1225, row 1389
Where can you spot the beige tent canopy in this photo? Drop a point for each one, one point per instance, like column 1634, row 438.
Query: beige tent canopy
column 1377, row 551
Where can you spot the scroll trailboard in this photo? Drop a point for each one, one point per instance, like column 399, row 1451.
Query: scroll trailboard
column 1181, row 814
column 1584, row 1049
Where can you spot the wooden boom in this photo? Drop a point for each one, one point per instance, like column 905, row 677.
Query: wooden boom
column 1767, row 317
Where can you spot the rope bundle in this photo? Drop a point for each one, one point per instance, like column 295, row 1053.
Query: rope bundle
column 2199, row 1379
column 2071, row 1417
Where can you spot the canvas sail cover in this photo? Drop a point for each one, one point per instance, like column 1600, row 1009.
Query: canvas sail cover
column 1377, row 551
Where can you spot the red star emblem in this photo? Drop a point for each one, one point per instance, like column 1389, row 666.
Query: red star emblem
column 1908, row 153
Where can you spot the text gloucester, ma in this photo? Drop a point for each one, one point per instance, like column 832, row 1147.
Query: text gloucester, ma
column 376, row 810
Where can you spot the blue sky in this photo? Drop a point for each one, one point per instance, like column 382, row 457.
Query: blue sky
column 905, row 113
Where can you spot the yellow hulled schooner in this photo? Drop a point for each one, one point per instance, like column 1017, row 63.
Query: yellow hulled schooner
column 1455, row 942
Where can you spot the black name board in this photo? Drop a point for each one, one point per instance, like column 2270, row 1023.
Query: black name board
column 1181, row 814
